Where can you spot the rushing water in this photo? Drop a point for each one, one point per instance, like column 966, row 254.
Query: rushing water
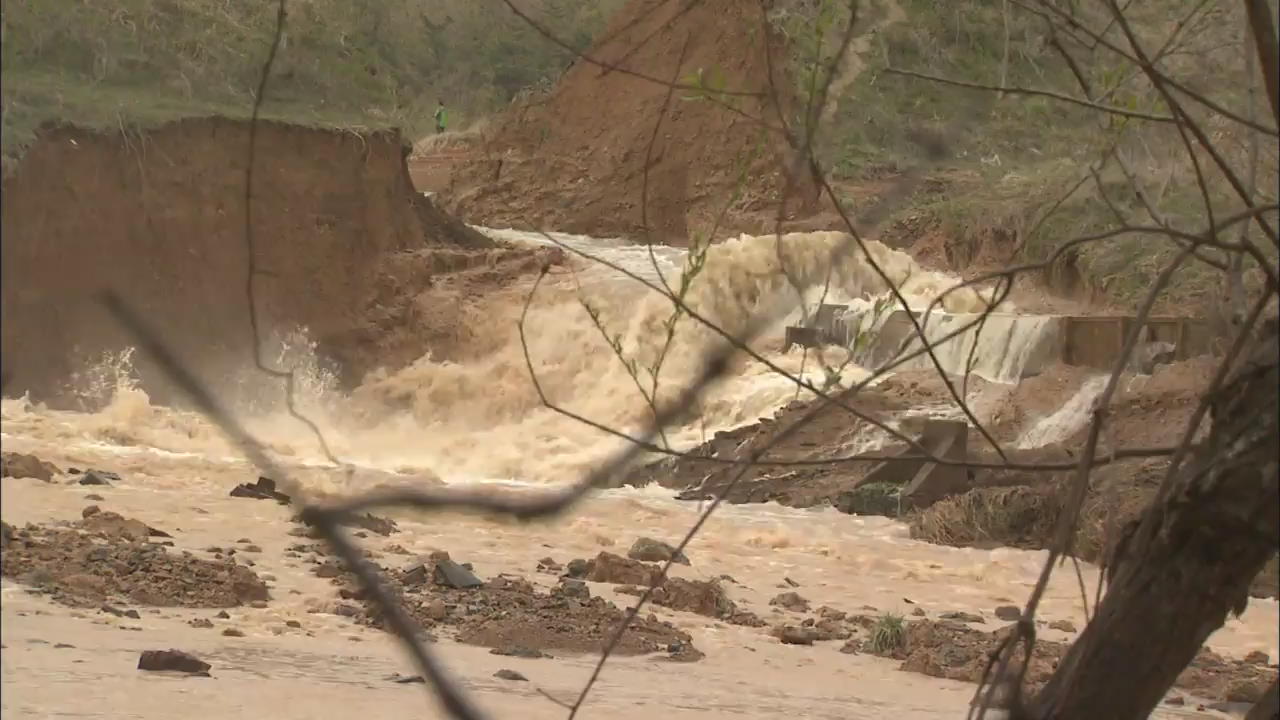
column 480, row 422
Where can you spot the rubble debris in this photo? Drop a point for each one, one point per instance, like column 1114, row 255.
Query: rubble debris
column 263, row 489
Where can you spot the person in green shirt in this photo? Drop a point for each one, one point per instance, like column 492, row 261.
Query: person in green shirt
column 440, row 117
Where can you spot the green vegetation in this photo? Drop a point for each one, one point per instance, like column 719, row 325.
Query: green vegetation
column 131, row 63
column 888, row 634
column 1011, row 158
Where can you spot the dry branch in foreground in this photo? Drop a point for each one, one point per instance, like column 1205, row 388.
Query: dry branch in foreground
column 1186, row 562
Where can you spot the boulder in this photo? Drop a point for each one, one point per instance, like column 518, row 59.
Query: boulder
column 172, row 660
column 647, row 549
column 19, row 465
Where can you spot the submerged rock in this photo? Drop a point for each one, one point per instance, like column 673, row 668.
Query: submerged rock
column 791, row 601
column 649, row 550
column 98, row 477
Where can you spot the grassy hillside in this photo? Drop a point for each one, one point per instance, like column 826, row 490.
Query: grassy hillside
column 138, row 62
column 1013, row 157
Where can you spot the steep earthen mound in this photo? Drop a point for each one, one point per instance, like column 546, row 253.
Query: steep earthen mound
column 575, row 160
column 159, row 218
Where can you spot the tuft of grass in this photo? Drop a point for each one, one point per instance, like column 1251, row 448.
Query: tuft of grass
column 888, row 634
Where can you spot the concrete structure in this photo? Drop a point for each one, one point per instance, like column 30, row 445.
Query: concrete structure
column 1010, row 346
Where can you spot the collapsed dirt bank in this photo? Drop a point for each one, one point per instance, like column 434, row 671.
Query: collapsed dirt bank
column 576, row 160
column 1002, row 507
column 159, row 218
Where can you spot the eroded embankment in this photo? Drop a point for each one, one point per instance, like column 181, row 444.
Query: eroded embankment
column 1039, row 420
column 343, row 245
column 578, row 160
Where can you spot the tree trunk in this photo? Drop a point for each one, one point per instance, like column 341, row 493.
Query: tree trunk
column 1188, row 560
column 1268, row 708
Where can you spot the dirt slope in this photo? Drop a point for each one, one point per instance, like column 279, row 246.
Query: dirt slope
column 159, row 218
column 575, row 160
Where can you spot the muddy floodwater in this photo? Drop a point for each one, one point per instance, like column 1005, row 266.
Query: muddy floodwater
column 295, row 659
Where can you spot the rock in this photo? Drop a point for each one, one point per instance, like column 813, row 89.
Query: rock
column 406, row 679
column 292, row 624
column 1063, row 626
column 173, row 661
column 98, row 477
column 6, row 534
column 203, row 623
column 790, row 582
column 1175, row 700
column 827, row 612
column 233, row 632
column 792, row 635
column 519, row 651
column 918, row 612
column 95, row 497
column 684, row 652
column 110, row 524
column 827, row 629
column 112, row 610
column 251, row 549
column 258, row 604
column 696, row 596
column 64, row 646
column 510, row 675
column 791, row 601
column 18, row 465
column 578, row 568
column 1247, row 691
column 746, row 618
column 436, row 610
column 649, row 550
column 345, row 610
column 1268, row 708
column 575, row 589
column 89, row 511
column 263, row 489
column 372, row 523
column 1008, row 613
column 617, row 570
column 397, row 549
column 223, row 615
column 548, row 565
column 451, row 574
column 851, row 647
column 1257, row 657
column 963, row 617
column 1149, row 355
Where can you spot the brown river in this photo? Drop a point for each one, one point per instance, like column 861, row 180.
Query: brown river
column 480, row 423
